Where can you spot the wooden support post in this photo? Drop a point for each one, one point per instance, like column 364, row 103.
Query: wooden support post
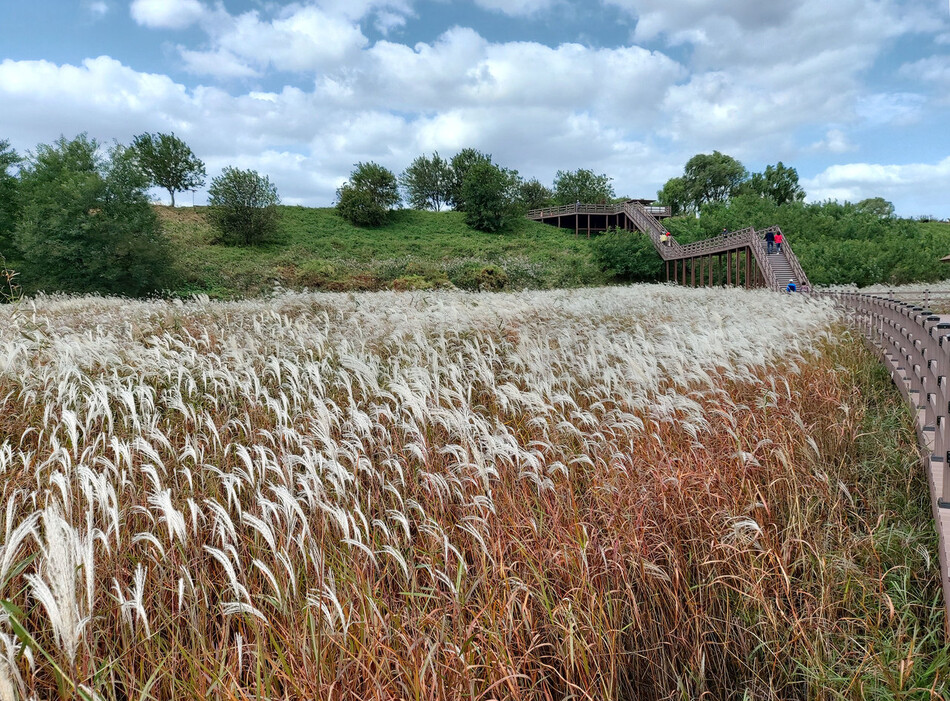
column 709, row 263
column 729, row 268
column 692, row 272
column 748, row 252
column 667, row 271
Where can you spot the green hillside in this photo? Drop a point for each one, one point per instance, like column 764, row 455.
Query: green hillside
column 317, row 249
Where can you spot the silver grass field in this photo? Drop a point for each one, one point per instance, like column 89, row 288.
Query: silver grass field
column 602, row 493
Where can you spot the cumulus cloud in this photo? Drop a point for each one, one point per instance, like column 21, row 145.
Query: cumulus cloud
column 167, row 14
column 913, row 187
column 301, row 39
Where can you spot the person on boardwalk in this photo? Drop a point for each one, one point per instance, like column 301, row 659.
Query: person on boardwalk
column 725, row 231
column 770, row 240
column 778, row 241
column 790, row 287
column 665, row 238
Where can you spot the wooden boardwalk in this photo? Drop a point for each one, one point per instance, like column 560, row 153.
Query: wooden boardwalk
column 736, row 258
column 914, row 345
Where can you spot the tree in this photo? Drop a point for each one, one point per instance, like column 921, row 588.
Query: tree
column 778, row 183
column 533, row 195
column 243, row 206
column 876, row 206
column 85, row 223
column 461, row 163
column 490, row 194
column 675, row 196
column 712, row 177
column 628, row 256
column 368, row 197
column 168, row 162
column 8, row 197
column 582, row 186
column 427, row 182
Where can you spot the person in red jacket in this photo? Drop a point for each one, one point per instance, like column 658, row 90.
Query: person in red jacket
column 778, row 241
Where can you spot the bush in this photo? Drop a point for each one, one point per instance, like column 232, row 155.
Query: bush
column 369, row 196
column 243, row 206
column 628, row 256
column 86, row 224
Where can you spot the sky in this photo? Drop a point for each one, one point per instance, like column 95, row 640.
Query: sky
column 854, row 94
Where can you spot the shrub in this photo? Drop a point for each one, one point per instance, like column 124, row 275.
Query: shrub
column 628, row 256
column 243, row 206
column 369, row 196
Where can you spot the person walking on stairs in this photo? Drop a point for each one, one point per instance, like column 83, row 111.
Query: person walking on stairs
column 778, row 241
column 770, row 241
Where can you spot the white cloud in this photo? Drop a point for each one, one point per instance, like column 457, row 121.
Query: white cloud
column 835, row 141
column 914, row 188
column 301, row 39
column 167, row 14
column 516, row 8
column 899, row 109
column 97, row 8
column 935, row 69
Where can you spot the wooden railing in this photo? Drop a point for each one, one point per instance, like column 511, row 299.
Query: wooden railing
column 613, row 208
column 644, row 220
column 915, row 346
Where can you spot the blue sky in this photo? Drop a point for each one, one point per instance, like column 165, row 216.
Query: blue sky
column 855, row 94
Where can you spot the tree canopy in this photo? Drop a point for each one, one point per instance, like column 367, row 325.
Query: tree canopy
column 368, row 197
column 533, row 195
column 427, row 182
column 461, row 163
column 168, row 163
column 243, row 206
column 86, row 224
column 778, row 183
column 712, row 178
column 583, row 186
column 8, row 197
column 490, row 194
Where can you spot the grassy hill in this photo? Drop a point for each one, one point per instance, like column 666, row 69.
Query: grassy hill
column 418, row 250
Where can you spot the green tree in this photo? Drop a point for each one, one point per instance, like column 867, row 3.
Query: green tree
column 86, row 225
column 490, row 194
column 628, row 256
column 533, row 195
column 427, row 182
column 712, row 178
column 8, row 197
column 582, row 186
column 461, row 163
column 243, row 206
column 369, row 196
column 778, row 183
column 168, row 162
column 675, row 195
column 876, row 206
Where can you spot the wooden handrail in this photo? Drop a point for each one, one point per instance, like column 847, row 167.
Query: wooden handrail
column 914, row 344
column 644, row 220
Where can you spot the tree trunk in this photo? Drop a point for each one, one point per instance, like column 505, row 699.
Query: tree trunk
column 172, row 193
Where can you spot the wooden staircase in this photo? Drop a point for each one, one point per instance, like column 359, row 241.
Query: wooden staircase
column 736, row 258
